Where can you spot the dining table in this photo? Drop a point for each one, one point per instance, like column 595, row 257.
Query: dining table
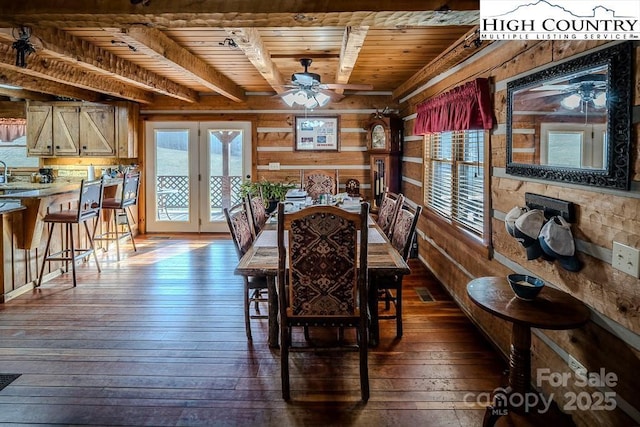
column 261, row 259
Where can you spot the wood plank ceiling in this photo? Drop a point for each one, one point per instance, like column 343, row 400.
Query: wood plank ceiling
column 142, row 49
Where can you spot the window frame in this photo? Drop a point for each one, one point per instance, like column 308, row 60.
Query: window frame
column 477, row 238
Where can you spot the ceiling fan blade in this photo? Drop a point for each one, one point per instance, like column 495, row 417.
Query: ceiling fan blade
column 347, row 86
column 541, row 94
column 331, row 94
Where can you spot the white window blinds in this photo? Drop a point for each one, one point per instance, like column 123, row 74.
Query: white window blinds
column 454, row 176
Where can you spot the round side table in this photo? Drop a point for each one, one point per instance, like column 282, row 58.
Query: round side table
column 551, row 309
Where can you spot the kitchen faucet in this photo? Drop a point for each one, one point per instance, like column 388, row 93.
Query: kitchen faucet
column 3, row 177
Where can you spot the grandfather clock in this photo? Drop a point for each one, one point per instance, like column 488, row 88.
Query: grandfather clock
column 384, row 144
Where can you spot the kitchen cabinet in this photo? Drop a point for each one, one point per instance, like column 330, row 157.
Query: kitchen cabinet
column 97, row 130
column 82, row 129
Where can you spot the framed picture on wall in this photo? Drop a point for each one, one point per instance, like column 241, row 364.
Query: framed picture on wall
column 317, row 133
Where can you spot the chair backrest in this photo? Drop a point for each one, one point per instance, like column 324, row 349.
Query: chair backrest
column 90, row 200
column 352, row 186
column 323, row 261
column 238, row 222
column 257, row 212
column 404, row 228
column 130, row 189
column 389, row 208
column 319, row 182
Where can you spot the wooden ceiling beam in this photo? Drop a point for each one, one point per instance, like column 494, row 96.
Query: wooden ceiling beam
column 231, row 6
column 62, row 72
column 460, row 50
column 351, row 44
column 429, row 13
column 34, row 84
column 57, row 44
column 157, row 45
column 250, row 42
column 26, row 94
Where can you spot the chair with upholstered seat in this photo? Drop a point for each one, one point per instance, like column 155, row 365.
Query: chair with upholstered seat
column 89, row 205
column 352, row 186
column 255, row 287
column 118, row 207
column 319, row 182
column 389, row 207
column 257, row 212
column 389, row 288
column 322, row 280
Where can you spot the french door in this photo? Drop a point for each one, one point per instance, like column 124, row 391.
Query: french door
column 193, row 171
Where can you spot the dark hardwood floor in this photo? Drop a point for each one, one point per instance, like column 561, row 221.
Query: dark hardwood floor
column 158, row 339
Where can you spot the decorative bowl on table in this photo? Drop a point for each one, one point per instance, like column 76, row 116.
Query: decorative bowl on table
column 524, row 286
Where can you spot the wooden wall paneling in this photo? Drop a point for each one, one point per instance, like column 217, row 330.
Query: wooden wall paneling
column 576, row 340
column 601, row 218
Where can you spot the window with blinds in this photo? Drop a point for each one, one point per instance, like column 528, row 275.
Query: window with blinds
column 454, row 176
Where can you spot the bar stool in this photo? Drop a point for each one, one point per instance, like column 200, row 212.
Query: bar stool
column 89, row 203
column 119, row 207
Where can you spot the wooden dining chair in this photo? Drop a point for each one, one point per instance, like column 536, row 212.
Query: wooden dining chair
column 389, row 208
column 322, row 280
column 389, row 287
column 88, row 208
column 257, row 212
column 319, row 182
column 255, row 287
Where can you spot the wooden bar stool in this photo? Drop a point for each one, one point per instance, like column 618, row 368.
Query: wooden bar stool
column 89, row 204
column 119, row 209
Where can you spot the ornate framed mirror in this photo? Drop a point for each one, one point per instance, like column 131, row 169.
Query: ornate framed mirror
column 571, row 122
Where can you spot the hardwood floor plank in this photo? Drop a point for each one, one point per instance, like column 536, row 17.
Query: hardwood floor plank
column 158, row 339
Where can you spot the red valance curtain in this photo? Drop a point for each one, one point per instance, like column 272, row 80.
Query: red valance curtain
column 11, row 129
column 463, row 108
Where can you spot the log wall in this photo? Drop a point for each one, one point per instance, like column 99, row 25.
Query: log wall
column 611, row 340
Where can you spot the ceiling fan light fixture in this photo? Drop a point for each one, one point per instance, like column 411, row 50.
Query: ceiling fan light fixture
column 323, row 99
column 289, row 99
column 571, row 102
column 600, row 100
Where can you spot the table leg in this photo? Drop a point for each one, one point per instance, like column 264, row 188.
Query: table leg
column 519, row 376
column 273, row 312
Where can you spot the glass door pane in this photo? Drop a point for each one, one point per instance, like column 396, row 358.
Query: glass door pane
column 229, row 160
column 171, row 182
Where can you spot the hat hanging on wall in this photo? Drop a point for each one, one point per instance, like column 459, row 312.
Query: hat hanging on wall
column 556, row 240
column 526, row 230
column 510, row 219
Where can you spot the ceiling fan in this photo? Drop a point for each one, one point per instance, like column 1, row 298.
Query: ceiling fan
column 586, row 86
column 307, row 89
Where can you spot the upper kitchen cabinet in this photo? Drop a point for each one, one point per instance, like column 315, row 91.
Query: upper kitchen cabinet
column 81, row 129
column 98, row 131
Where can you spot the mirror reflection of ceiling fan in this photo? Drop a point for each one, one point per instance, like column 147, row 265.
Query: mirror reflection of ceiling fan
column 306, row 89
column 576, row 91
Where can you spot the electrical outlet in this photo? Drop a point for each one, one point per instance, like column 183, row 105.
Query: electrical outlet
column 627, row 259
column 274, row 166
column 575, row 365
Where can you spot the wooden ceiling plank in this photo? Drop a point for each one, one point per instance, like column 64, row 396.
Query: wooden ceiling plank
column 156, row 44
column 250, row 42
column 34, row 84
column 351, row 45
column 63, row 46
column 62, row 72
